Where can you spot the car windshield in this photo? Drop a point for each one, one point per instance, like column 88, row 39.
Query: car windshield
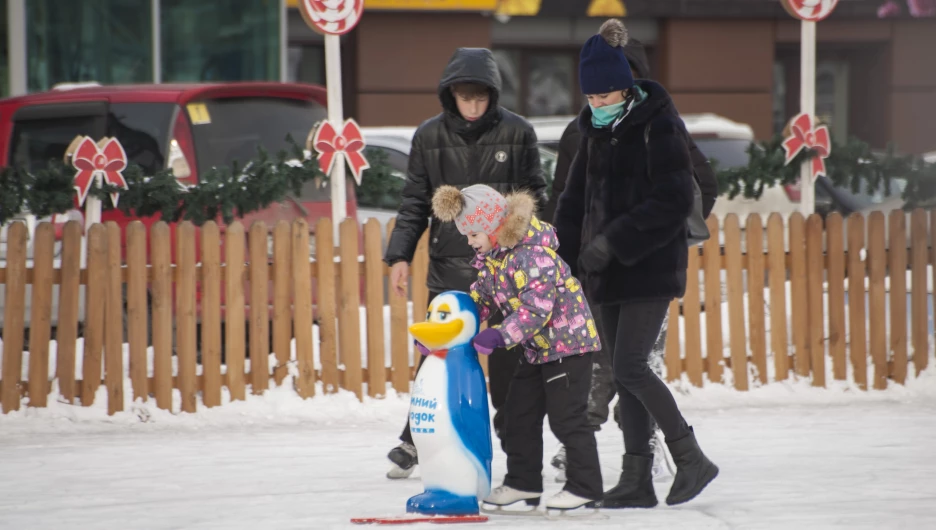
column 142, row 128
column 232, row 129
column 727, row 153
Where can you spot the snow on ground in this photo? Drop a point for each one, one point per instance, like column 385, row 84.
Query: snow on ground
column 790, row 456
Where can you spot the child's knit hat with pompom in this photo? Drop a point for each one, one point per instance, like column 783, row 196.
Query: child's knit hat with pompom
column 475, row 209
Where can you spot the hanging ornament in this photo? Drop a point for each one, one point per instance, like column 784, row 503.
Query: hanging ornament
column 804, row 136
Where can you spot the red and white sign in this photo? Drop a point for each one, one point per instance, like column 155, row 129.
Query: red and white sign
column 99, row 161
column 804, row 136
column 332, row 145
column 332, row 17
column 809, row 10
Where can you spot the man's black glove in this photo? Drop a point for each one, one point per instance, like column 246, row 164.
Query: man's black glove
column 596, row 257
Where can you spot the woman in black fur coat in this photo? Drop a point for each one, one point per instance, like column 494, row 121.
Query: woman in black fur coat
column 622, row 221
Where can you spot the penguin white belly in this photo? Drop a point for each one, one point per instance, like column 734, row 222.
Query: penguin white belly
column 444, row 461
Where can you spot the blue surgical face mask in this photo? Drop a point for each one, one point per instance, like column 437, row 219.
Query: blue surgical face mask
column 604, row 116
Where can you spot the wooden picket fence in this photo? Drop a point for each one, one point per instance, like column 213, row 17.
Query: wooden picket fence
column 810, row 255
column 157, row 297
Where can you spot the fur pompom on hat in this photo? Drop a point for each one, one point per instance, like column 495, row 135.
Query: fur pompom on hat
column 614, row 33
column 447, row 203
column 475, row 209
column 603, row 68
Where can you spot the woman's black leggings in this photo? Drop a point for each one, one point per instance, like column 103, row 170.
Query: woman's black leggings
column 631, row 328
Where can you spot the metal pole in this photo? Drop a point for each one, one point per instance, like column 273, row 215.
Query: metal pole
column 284, row 41
column 16, row 46
column 336, row 117
column 156, row 25
column 808, row 106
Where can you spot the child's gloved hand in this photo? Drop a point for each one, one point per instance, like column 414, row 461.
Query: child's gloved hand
column 421, row 349
column 488, row 340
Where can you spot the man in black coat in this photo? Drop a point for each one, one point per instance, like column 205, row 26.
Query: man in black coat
column 603, row 388
column 473, row 141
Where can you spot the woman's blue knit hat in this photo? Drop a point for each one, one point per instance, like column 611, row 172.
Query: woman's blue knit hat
column 603, row 67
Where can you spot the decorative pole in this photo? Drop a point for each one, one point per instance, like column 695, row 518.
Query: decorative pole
column 334, row 18
column 809, row 12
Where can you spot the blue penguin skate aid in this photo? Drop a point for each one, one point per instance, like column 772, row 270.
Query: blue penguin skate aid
column 449, row 415
column 449, row 418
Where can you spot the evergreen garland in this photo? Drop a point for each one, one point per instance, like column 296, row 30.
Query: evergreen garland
column 230, row 192
column 849, row 165
column 225, row 192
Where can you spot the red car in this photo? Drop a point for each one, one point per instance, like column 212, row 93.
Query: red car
column 187, row 127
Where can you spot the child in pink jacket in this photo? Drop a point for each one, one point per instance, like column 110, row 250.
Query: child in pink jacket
column 545, row 313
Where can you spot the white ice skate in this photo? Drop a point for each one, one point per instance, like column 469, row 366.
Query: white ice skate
column 503, row 496
column 559, row 462
column 397, row 472
column 567, row 505
column 404, row 460
column 663, row 468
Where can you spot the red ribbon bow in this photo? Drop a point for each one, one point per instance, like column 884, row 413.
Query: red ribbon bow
column 349, row 143
column 93, row 161
column 806, row 137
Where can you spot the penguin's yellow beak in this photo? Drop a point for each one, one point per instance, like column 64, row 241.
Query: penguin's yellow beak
column 435, row 335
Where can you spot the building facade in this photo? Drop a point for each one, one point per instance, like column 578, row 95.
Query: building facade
column 876, row 75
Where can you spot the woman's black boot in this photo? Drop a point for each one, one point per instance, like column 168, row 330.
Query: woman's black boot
column 693, row 469
column 635, row 489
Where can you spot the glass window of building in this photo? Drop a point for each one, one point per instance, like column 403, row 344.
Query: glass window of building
column 508, row 62
column 306, row 63
column 108, row 41
column 222, row 40
column 539, row 82
column 4, row 52
column 551, row 84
